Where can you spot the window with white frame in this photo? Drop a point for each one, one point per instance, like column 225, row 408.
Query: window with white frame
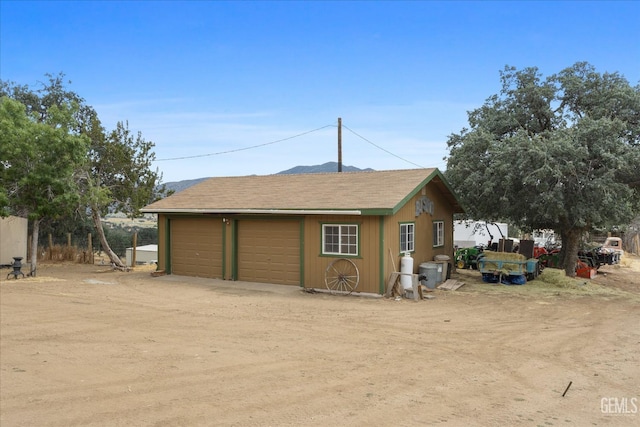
column 339, row 239
column 438, row 233
column 407, row 237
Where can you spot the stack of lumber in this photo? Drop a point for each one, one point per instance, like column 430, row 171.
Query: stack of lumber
column 451, row 285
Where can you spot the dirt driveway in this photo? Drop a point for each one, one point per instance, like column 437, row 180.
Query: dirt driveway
column 83, row 346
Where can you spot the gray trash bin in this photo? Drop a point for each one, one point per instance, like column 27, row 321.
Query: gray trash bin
column 433, row 273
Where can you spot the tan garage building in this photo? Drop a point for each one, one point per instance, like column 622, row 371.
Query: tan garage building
column 287, row 229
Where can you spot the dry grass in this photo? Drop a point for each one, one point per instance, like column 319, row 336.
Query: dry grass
column 503, row 256
column 128, row 222
column 553, row 279
column 29, row 279
column 556, row 278
column 626, row 261
column 551, row 283
column 59, row 253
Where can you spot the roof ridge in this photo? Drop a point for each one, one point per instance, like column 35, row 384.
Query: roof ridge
column 371, row 191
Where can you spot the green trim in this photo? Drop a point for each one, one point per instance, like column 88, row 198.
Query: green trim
column 435, row 174
column 416, row 190
column 377, row 212
column 235, row 235
column 167, row 243
column 332, row 255
column 266, row 217
column 340, row 256
column 191, row 215
column 400, row 224
column 444, row 229
column 230, row 234
column 301, row 268
column 381, row 255
column 224, row 249
column 170, row 217
column 453, row 193
column 234, row 249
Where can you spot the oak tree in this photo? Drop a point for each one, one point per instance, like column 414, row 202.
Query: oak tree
column 116, row 174
column 560, row 153
column 40, row 158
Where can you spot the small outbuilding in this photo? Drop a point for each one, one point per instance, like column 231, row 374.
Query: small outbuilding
column 13, row 239
column 469, row 233
column 147, row 254
column 286, row 229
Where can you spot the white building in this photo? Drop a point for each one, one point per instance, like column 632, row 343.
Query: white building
column 544, row 237
column 13, row 239
column 144, row 255
column 471, row 233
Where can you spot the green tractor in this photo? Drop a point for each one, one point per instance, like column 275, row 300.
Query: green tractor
column 467, row 257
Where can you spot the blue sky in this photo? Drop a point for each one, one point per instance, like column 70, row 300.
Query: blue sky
column 200, row 78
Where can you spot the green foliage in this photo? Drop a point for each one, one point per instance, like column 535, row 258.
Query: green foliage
column 39, row 160
column 4, row 203
column 119, row 240
column 122, row 238
column 121, row 175
column 118, row 174
column 561, row 153
column 111, row 172
column 38, row 103
column 78, row 225
column 147, row 236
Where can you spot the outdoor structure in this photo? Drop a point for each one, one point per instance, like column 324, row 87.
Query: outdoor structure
column 13, row 239
column 469, row 233
column 286, row 229
column 146, row 254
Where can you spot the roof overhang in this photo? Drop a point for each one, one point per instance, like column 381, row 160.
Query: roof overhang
column 255, row 211
column 448, row 193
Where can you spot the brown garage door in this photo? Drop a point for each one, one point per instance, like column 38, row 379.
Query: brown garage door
column 196, row 247
column 269, row 251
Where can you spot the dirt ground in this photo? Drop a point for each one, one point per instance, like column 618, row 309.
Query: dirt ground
column 87, row 346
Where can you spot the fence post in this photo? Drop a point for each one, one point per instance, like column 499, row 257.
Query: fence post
column 50, row 247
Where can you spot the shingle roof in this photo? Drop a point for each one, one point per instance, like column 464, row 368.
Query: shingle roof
column 376, row 192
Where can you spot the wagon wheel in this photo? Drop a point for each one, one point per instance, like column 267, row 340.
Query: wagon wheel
column 341, row 276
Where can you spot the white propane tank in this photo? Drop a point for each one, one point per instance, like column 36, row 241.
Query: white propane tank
column 406, row 267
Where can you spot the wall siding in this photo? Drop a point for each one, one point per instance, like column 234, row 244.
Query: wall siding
column 379, row 244
column 366, row 261
column 424, row 250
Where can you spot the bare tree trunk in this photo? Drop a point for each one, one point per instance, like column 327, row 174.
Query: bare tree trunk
column 563, row 248
column 97, row 222
column 34, row 247
column 570, row 244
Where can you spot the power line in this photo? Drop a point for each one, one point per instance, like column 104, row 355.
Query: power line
column 245, row 148
column 287, row 139
column 383, row 149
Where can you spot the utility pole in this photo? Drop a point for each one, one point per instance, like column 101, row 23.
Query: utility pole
column 339, row 144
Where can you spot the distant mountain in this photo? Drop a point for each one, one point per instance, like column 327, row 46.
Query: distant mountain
column 326, row 167
column 177, row 186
